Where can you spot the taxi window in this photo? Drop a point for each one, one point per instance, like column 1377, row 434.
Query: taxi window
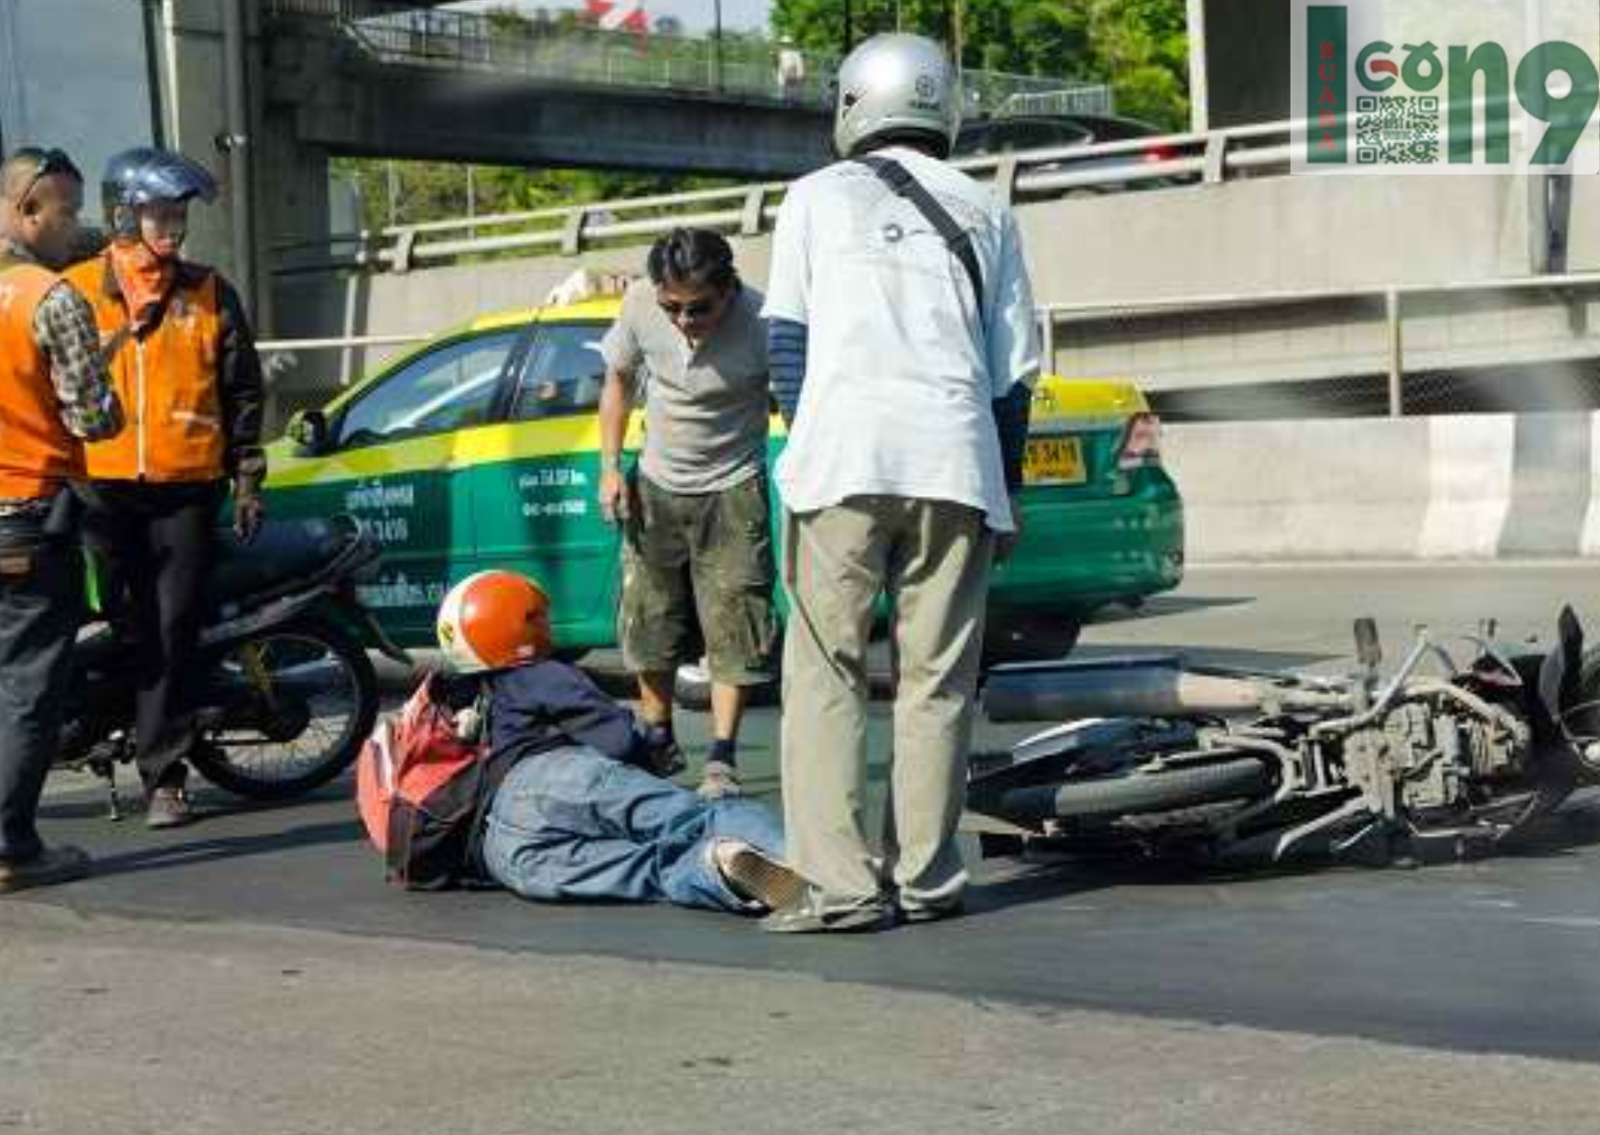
column 563, row 373
column 452, row 388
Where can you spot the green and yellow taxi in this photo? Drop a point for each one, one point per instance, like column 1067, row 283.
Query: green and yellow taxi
column 481, row 450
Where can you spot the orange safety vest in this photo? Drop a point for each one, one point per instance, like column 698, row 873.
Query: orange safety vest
column 37, row 453
column 166, row 379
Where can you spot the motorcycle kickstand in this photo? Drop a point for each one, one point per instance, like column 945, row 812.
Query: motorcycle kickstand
column 107, row 771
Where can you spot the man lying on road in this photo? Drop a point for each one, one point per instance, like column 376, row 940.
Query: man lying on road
column 579, row 812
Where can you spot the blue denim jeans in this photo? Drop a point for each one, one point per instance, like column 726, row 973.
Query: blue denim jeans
column 575, row 824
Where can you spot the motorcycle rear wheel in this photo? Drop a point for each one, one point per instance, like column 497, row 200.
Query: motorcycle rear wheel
column 315, row 692
column 1164, row 790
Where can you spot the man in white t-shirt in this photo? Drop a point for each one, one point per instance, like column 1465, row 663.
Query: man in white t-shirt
column 903, row 347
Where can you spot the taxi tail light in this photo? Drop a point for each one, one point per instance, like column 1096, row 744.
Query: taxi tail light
column 1141, row 443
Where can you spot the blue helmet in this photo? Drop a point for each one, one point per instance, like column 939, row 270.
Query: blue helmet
column 145, row 175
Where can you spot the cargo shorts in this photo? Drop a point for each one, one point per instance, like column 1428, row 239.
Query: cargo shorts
column 699, row 561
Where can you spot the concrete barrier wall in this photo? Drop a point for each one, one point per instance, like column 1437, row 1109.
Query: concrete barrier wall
column 1460, row 487
column 1248, row 237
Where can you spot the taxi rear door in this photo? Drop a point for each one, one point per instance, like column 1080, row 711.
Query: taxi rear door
column 535, row 480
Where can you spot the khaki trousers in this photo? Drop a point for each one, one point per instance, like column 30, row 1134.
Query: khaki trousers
column 931, row 558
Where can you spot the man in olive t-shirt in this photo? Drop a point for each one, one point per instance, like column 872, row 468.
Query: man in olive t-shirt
column 698, row 545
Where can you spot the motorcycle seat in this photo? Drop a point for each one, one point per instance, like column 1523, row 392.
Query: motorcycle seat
column 284, row 553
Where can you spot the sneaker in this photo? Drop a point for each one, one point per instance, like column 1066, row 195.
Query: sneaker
column 914, row 914
column 754, row 875
column 666, row 759
column 813, row 915
column 60, row 864
column 719, row 779
column 168, row 808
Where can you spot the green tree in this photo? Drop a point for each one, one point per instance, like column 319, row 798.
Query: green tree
column 1138, row 47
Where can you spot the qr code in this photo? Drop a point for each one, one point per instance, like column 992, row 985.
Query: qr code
column 1397, row 129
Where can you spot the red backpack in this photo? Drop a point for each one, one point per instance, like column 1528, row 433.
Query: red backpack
column 419, row 788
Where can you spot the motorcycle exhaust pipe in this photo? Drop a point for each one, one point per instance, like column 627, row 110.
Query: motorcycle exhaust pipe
column 1116, row 687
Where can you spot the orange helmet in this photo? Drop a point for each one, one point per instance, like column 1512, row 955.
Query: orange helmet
column 492, row 620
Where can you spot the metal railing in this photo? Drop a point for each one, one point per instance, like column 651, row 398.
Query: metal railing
column 734, row 66
column 1166, row 160
column 1398, row 303
column 566, row 230
column 1392, row 295
column 1082, row 100
column 1169, row 160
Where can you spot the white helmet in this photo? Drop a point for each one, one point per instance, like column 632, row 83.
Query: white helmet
column 895, row 83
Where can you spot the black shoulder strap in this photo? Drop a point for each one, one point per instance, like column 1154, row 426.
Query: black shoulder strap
column 899, row 179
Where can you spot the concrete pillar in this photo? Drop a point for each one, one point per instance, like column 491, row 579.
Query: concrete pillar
column 42, row 46
column 291, row 173
column 1246, row 64
column 193, row 66
column 1199, row 98
column 13, row 108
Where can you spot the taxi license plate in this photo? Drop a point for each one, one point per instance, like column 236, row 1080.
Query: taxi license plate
column 1053, row 461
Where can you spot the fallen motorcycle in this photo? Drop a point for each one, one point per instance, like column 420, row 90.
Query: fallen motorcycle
column 289, row 692
column 1236, row 765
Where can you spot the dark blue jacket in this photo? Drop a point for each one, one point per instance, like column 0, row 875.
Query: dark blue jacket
column 547, row 705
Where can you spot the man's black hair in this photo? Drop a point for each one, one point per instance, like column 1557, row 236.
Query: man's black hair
column 700, row 257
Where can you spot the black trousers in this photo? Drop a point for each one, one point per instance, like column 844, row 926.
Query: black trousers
column 155, row 544
column 41, row 606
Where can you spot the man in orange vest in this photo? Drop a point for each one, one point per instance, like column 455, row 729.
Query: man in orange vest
column 184, row 363
column 54, row 392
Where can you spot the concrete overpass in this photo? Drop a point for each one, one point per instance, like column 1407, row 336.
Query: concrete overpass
column 455, row 86
column 304, row 80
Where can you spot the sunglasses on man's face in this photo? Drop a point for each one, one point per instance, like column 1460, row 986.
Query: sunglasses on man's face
column 47, row 163
column 699, row 309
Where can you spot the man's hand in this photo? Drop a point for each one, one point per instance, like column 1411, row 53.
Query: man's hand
column 248, row 513
column 1006, row 542
column 614, row 504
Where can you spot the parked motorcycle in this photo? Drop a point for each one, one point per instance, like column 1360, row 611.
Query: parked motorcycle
column 1239, row 765
column 289, row 692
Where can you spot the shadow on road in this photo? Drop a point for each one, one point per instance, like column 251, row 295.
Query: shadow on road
column 1572, row 827
column 1046, row 875
column 218, row 848
column 1160, row 605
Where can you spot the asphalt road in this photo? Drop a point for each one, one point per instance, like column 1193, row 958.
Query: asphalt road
column 1476, row 962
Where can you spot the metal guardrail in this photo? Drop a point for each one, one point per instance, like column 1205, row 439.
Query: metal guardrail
column 1087, row 100
column 1189, row 158
column 1051, row 315
column 1214, row 156
column 1393, row 296
column 730, row 66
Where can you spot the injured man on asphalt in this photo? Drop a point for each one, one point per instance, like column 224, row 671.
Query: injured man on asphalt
column 581, row 808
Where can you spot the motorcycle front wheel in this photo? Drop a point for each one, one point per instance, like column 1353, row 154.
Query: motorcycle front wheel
column 290, row 709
